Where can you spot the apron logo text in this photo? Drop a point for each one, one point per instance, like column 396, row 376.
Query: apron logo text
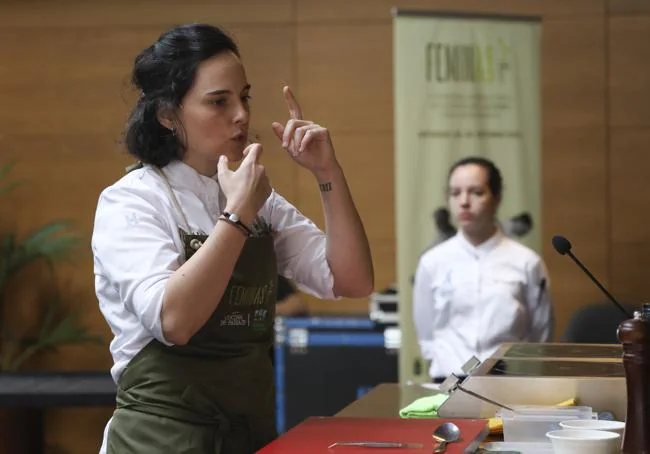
column 246, row 296
column 235, row 319
column 260, row 315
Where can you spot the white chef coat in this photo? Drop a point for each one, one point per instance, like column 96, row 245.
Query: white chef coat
column 137, row 246
column 468, row 300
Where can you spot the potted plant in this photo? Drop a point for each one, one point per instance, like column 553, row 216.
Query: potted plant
column 42, row 248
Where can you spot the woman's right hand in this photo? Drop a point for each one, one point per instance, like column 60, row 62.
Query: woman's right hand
column 247, row 188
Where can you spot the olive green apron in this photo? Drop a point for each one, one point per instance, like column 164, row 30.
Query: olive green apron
column 215, row 394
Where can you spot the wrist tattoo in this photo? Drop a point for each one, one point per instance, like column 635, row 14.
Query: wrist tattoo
column 325, row 187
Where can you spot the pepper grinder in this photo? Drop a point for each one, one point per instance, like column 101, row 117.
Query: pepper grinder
column 634, row 335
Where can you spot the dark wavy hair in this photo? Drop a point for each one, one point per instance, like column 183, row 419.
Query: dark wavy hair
column 163, row 73
column 495, row 180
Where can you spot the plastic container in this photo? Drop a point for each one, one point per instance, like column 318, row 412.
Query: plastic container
column 531, row 423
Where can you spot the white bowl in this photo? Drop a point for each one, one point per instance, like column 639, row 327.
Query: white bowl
column 595, row 424
column 574, row 441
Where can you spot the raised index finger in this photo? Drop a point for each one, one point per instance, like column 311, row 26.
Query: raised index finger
column 292, row 104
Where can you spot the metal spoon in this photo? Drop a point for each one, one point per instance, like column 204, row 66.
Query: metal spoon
column 447, row 432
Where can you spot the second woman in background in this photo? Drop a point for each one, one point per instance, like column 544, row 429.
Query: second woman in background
column 480, row 288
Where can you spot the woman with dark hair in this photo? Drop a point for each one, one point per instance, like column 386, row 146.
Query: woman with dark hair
column 480, row 288
column 187, row 252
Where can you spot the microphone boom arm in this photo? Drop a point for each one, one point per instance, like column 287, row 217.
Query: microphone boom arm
column 598, row 284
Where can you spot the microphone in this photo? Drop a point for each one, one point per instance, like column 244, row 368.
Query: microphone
column 563, row 247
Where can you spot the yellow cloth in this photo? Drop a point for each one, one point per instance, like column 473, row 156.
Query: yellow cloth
column 424, row 407
column 496, row 424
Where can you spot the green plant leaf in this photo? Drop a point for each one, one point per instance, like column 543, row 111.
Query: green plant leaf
column 5, row 169
column 67, row 331
column 51, row 242
column 45, row 241
column 8, row 246
column 48, row 318
column 6, row 188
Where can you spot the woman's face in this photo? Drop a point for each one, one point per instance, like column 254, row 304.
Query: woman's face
column 215, row 113
column 471, row 201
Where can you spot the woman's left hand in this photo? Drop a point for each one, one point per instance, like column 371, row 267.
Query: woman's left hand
column 308, row 143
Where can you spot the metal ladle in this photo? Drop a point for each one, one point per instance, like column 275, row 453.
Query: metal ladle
column 447, row 432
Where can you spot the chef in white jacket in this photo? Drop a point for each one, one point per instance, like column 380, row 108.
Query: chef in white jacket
column 187, row 252
column 480, row 288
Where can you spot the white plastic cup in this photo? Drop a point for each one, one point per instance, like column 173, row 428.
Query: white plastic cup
column 575, row 441
column 596, row 424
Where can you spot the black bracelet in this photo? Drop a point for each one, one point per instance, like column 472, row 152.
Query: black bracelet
column 234, row 219
column 238, row 227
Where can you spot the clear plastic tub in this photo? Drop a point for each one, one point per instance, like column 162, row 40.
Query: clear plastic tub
column 530, row 423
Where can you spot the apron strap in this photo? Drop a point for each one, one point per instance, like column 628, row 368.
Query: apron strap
column 172, row 196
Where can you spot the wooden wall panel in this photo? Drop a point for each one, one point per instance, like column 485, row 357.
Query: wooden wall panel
column 342, row 11
column 359, row 98
column 574, row 162
column 630, row 185
column 573, row 78
column 574, row 206
column 140, row 13
column 629, row 126
column 629, row 79
column 62, row 177
column 630, row 265
column 72, row 84
column 576, row 9
column 630, row 199
column 627, row 7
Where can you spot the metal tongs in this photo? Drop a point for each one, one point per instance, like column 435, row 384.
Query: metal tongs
column 453, row 382
column 377, row 444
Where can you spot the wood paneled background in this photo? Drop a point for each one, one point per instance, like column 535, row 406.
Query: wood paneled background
column 64, row 98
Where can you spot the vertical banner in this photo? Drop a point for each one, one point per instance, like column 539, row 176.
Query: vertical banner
column 464, row 85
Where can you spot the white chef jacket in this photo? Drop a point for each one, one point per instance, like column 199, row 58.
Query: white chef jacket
column 137, row 246
column 468, row 300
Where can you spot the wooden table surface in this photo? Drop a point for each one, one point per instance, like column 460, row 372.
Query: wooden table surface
column 385, row 401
